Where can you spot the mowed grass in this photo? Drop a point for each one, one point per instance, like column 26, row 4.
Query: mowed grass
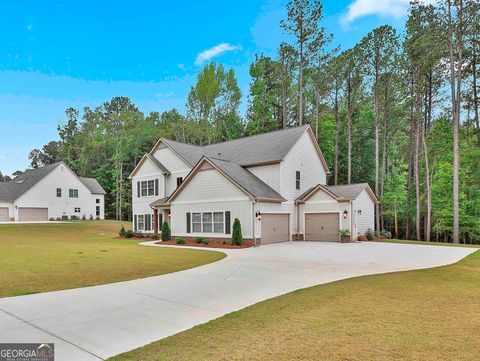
column 47, row 257
column 431, row 314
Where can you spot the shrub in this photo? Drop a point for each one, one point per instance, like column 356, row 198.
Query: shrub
column 237, row 238
column 201, row 240
column 84, row 217
column 166, row 234
column 180, row 241
column 344, row 232
column 51, row 219
column 138, row 234
column 129, row 234
column 122, row 232
column 388, row 234
column 370, row 234
column 154, row 236
column 91, row 217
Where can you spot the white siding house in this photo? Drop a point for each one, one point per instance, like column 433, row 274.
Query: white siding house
column 52, row 192
column 271, row 182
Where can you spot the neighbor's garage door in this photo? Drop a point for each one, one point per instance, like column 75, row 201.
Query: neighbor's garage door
column 33, row 214
column 4, row 215
column 322, row 226
column 274, row 228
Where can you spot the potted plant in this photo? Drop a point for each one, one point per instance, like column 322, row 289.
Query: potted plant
column 345, row 236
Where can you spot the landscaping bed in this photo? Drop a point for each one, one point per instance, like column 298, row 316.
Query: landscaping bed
column 193, row 243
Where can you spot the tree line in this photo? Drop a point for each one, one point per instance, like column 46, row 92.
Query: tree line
column 399, row 111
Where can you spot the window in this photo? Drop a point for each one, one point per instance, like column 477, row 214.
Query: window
column 97, row 211
column 77, row 209
column 207, row 222
column 147, row 188
column 218, row 222
column 141, row 222
column 148, row 222
column 196, row 222
column 179, row 181
column 297, row 180
column 73, row 193
column 98, row 201
column 59, row 192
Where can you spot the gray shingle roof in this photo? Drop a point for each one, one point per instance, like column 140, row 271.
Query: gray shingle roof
column 93, row 185
column 348, row 191
column 158, row 163
column 159, row 202
column 247, row 180
column 10, row 191
column 255, row 149
column 341, row 192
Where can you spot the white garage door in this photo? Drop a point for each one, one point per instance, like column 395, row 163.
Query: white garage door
column 33, row 214
column 322, row 226
column 4, row 215
column 274, row 228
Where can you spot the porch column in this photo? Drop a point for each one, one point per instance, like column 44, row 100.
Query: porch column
column 155, row 222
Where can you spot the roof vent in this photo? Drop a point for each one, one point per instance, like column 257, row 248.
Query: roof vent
column 20, row 181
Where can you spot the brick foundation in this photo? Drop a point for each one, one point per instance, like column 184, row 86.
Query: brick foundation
column 215, row 240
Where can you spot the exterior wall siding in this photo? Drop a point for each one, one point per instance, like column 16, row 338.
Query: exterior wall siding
column 270, row 174
column 43, row 195
column 304, row 158
column 210, row 191
column 365, row 220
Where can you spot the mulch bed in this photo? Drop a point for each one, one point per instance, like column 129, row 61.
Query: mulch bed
column 245, row 244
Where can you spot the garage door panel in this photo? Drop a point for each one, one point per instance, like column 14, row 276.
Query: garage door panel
column 322, row 227
column 275, row 228
column 32, row 214
column 4, row 215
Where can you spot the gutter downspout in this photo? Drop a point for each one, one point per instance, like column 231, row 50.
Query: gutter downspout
column 253, row 224
column 352, row 228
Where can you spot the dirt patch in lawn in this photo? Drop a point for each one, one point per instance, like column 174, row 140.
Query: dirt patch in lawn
column 245, row 244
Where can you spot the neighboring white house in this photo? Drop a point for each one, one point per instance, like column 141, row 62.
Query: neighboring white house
column 51, row 192
column 274, row 183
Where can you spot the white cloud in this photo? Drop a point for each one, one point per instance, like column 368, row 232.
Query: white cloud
column 211, row 53
column 382, row 8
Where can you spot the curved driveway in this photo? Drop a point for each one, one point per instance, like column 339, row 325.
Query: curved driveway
column 95, row 323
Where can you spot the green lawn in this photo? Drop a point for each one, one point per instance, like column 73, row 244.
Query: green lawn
column 431, row 243
column 431, row 314
column 47, row 257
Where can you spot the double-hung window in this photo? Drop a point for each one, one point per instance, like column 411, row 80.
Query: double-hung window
column 147, row 188
column 141, row 222
column 59, row 192
column 297, row 180
column 196, row 222
column 218, row 222
column 179, row 181
column 73, row 193
column 208, row 222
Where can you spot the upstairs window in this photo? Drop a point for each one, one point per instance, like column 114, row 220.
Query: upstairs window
column 59, row 192
column 179, row 181
column 297, row 180
column 73, row 193
column 98, row 200
column 147, row 188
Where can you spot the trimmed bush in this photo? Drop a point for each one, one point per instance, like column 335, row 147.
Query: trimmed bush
column 166, row 234
column 201, row 240
column 129, row 234
column 237, row 238
column 154, row 236
column 370, row 234
column 180, row 241
column 122, row 232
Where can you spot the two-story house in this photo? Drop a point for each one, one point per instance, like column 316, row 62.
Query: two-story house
column 274, row 183
column 53, row 192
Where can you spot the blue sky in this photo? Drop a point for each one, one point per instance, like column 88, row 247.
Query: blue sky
column 55, row 55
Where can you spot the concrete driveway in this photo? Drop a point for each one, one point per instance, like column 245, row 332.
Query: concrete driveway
column 97, row 322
